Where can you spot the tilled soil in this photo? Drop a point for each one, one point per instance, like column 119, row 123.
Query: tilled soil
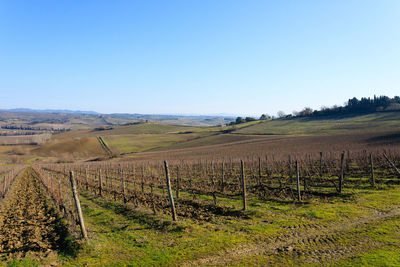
column 28, row 222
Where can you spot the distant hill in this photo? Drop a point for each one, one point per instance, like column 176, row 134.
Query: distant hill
column 76, row 119
column 63, row 111
column 380, row 121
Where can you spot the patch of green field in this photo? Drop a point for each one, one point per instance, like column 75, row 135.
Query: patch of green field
column 374, row 122
column 143, row 142
column 148, row 128
column 155, row 136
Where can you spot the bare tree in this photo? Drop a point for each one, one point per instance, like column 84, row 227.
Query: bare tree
column 281, row 114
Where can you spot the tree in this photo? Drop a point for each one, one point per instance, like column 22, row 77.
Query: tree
column 249, row 119
column 239, row 120
column 281, row 114
column 264, row 117
column 306, row 112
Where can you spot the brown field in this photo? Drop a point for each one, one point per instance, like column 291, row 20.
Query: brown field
column 279, row 146
column 71, row 149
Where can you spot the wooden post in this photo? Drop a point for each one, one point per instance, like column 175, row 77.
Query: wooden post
column 142, row 183
column 243, row 185
column 123, row 185
column 320, row 164
column 77, row 205
column 86, row 179
column 222, row 178
column 391, row 164
column 170, row 195
column 4, row 185
column 341, row 172
column 60, row 194
column 259, row 171
column 100, row 183
column 290, row 166
column 298, row 181
column 153, row 205
column 178, row 181
column 372, row 170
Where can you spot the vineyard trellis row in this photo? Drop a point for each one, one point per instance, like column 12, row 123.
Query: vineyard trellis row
column 7, row 177
column 199, row 186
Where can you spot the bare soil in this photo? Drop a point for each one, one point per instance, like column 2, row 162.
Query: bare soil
column 29, row 224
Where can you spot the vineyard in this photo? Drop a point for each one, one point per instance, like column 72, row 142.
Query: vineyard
column 275, row 199
column 196, row 187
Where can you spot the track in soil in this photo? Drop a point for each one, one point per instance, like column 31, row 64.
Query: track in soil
column 318, row 244
column 29, row 224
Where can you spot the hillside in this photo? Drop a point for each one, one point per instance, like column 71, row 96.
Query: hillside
column 82, row 144
column 386, row 121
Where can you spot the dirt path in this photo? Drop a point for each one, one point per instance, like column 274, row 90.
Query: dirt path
column 105, row 147
column 28, row 222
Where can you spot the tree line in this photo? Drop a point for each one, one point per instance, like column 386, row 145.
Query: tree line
column 364, row 105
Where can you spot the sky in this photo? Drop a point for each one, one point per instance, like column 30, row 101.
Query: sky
column 196, row 57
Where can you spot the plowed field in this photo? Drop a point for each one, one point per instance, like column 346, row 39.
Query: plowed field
column 29, row 224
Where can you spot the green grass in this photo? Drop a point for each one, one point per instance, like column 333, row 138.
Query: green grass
column 143, row 142
column 120, row 236
column 122, row 239
column 380, row 121
column 148, row 128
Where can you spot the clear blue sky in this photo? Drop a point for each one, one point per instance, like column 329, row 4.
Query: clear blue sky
column 196, row 57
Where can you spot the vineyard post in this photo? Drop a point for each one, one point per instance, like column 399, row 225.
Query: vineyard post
column 142, row 180
column 290, row 167
column 320, row 164
column 123, row 185
column 341, row 172
column 170, row 195
column 61, row 204
column 266, row 164
column 372, row 170
column 77, row 204
column 51, row 183
column 259, row 171
column 213, row 183
column 7, row 182
column 100, row 183
column 178, row 182
column 243, row 185
column 86, row 179
column 153, row 205
column 222, row 177
column 4, row 186
column 106, row 185
column 298, row 181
